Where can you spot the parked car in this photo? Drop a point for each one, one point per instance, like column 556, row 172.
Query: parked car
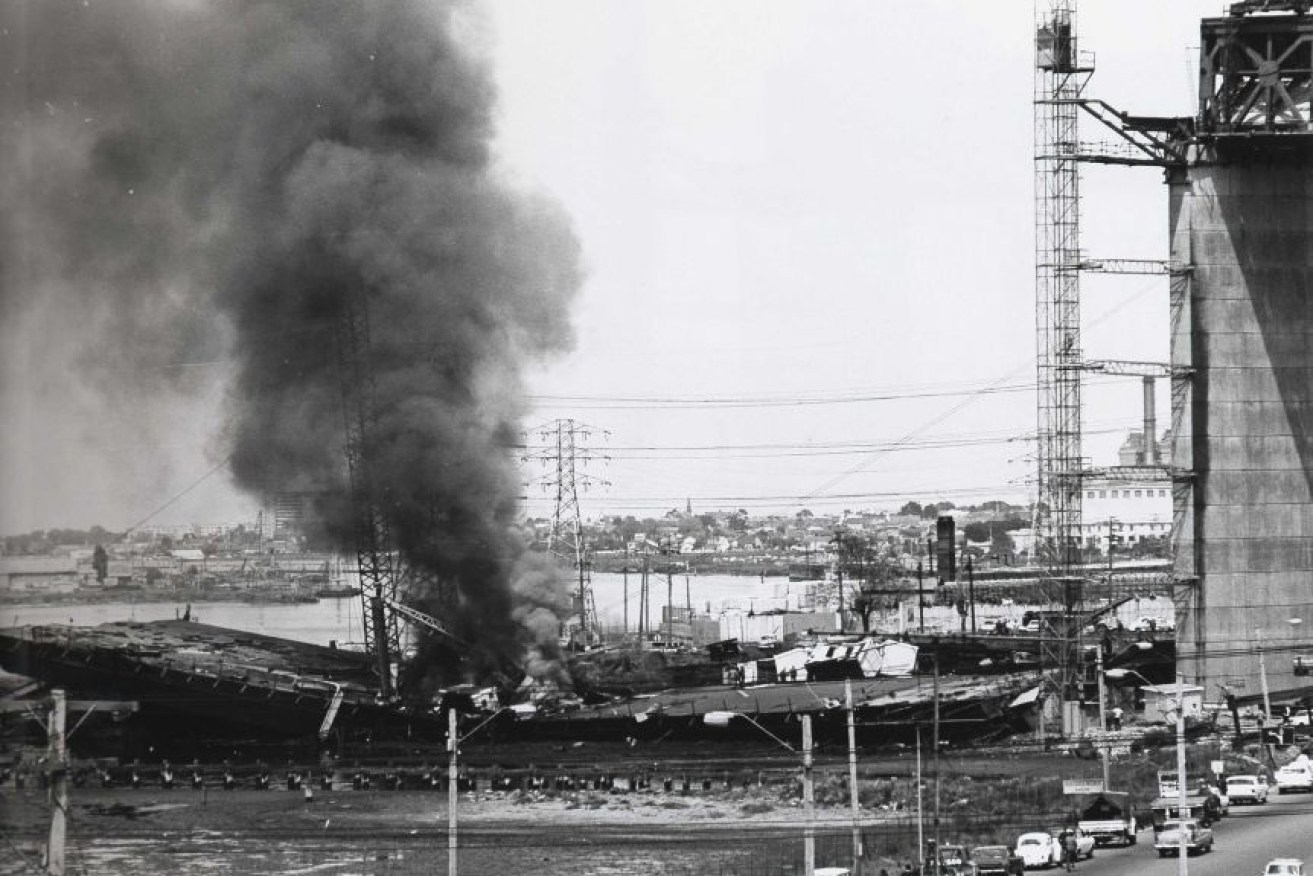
column 1039, row 850
column 1284, row 867
column 954, row 859
column 1296, row 776
column 1198, row 839
column 1246, row 789
column 997, row 861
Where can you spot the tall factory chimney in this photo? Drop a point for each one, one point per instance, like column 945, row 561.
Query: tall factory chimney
column 1150, row 454
column 1241, row 217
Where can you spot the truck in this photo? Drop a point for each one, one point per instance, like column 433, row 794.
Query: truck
column 1109, row 817
column 1203, row 809
column 1198, row 839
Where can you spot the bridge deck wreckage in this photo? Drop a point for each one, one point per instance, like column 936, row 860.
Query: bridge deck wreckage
column 205, row 684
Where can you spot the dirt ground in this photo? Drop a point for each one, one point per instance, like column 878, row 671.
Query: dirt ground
column 744, row 832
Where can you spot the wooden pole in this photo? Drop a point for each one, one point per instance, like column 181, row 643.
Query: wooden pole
column 920, row 807
column 58, row 785
column 853, row 798
column 808, row 796
column 935, row 753
column 920, row 597
column 670, row 603
column 642, row 603
column 971, row 587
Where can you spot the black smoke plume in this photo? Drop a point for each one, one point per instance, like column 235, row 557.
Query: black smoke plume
column 218, row 181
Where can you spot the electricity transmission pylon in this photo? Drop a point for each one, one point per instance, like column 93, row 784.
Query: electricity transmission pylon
column 565, row 452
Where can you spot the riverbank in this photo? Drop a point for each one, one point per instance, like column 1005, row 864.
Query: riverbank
column 748, row 828
column 129, row 595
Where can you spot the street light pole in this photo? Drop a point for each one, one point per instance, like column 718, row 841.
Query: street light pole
column 723, row 718
column 1183, row 850
column 1103, row 715
column 1262, row 678
column 453, row 771
column 1182, row 805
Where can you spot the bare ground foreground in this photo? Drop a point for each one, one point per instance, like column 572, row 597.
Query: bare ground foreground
column 114, row 831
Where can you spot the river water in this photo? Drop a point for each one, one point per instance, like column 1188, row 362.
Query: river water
column 340, row 619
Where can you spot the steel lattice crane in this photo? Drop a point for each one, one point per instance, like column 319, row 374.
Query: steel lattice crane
column 375, row 558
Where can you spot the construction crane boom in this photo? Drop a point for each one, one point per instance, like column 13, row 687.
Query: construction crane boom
column 416, row 616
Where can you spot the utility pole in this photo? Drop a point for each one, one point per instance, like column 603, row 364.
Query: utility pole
column 57, row 757
column 935, row 753
column 920, row 805
column 1182, row 851
column 808, row 797
column 688, row 595
column 1103, row 715
column 670, row 603
column 920, row 596
column 453, row 749
column 971, row 591
column 853, row 799
column 58, row 761
column 1114, row 526
column 454, row 739
column 624, row 630
column 642, row 602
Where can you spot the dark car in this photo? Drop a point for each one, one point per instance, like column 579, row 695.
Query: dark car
column 997, row 860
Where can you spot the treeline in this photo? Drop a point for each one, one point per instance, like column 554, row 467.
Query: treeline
column 44, row 541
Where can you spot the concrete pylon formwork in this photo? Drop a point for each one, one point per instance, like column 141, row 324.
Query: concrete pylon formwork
column 1241, row 215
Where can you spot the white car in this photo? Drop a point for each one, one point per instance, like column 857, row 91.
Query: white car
column 1039, row 850
column 1295, row 777
column 1284, row 867
column 1246, row 789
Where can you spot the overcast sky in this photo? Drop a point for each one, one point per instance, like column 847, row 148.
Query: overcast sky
column 784, row 204
column 808, row 234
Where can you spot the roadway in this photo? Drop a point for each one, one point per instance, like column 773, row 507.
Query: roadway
column 1244, row 842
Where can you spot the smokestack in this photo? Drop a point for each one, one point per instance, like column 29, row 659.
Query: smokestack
column 1150, row 424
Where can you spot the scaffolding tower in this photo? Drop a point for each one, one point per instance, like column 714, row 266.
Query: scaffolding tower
column 1060, row 79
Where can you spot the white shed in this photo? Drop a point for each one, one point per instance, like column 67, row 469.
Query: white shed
column 1160, row 701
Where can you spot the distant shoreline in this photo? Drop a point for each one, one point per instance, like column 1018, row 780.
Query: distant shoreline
column 123, row 596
